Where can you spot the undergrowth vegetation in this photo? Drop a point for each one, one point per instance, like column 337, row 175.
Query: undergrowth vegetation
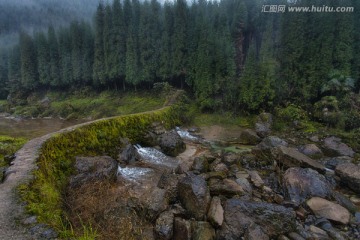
column 55, row 163
column 8, row 146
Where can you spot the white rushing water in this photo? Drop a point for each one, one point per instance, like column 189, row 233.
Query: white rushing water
column 185, row 134
column 135, row 173
column 154, row 156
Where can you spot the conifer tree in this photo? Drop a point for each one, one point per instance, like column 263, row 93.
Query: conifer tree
column 29, row 71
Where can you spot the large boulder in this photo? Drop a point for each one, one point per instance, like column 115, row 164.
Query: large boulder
column 349, row 174
column 171, row 143
column 93, row 169
column 311, row 150
column 263, row 124
column 333, row 147
column 329, row 210
column 240, row 215
column 249, row 137
column 303, row 183
column 263, row 149
column 291, row 157
column 194, row 195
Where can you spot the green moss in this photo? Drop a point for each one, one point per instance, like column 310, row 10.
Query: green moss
column 57, row 156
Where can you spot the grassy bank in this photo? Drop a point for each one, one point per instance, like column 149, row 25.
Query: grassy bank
column 8, row 146
column 57, row 155
column 87, row 104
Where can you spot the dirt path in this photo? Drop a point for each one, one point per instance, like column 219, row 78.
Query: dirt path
column 11, row 209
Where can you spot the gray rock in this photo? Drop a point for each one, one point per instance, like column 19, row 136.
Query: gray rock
column 295, row 236
column 263, row 124
column 30, row 220
column 93, row 169
column 349, row 174
column 171, row 143
column 291, row 157
column 331, row 163
column 249, row 137
column 245, row 185
column 255, row 232
column 311, row 150
column 318, row 233
column 344, row 201
column 194, row 195
column 164, row 226
column 202, row 231
column 303, row 183
column 329, row 210
column 226, row 187
column 230, row 158
column 334, row 147
column 154, row 203
column 216, row 212
column 239, row 215
column 271, row 142
column 182, row 229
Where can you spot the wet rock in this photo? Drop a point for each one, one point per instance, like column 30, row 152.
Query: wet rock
column 42, row 231
column 164, row 226
column 255, row 232
column 169, row 182
column 333, row 147
column 202, row 231
column 349, row 174
column 291, row 157
column 239, row 215
column 226, row 187
column 45, row 102
column 194, row 195
column 49, row 234
column 128, row 154
column 93, row 169
column 303, row 183
column 171, row 143
column 182, row 229
column 30, row 220
column 311, row 150
column 249, row 137
column 216, row 212
column 314, row 138
column 256, row 179
column 329, row 210
column 218, row 166
column 331, row 163
column 200, row 165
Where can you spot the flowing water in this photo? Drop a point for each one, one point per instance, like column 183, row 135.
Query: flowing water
column 32, row 128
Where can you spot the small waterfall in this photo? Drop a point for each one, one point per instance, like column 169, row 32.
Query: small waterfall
column 154, row 156
column 134, row 173
column 186, row 135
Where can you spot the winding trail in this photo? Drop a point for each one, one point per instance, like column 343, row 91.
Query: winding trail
column 11, row 208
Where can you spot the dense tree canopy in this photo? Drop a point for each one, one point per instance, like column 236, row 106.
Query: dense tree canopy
column 229, row 53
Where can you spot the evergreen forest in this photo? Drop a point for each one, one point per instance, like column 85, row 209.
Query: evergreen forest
column 229, row 53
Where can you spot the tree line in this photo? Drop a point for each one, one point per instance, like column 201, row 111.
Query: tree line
column 229, row 53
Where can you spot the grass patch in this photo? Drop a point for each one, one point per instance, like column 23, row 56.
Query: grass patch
column 8, row 146
column 225, row 119
column 85, row 104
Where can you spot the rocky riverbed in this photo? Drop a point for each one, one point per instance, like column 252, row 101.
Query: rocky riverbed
column 177, row 185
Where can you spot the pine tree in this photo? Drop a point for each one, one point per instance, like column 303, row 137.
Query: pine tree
column 29, row 71
column 14, row 70
column 165, row 66
column 65, row 59
column 43, row 58
column 4, row 61
column 99, row 69
column 54, row 68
